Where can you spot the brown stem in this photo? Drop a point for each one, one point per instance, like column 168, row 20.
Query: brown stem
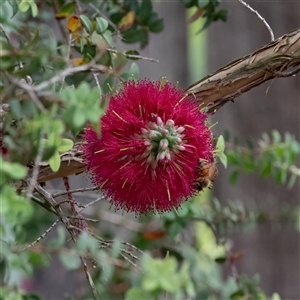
column 70, row 196
column 243, row 74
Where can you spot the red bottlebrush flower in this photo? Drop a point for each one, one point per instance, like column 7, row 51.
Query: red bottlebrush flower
column 152, row 138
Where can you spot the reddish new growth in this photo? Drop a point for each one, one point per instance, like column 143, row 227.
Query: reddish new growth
column 152, row 139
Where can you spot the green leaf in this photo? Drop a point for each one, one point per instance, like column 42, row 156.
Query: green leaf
column 131, row 4
column 54, row 162
column 189, row 3
column 87, row 23
column 86, row 242
column 220, row 144
column 48, row 150
column 108, row 37
column 16, row 108
column 145, row 10
column 134, row 70
column 34, row 9
column 132, row 52
column 14, row 6
column 31, row 297
column 202, row 3
column 133, row 35
column 234, row 177
column 221, row 15
column 157, row 26
column 15, row 208
column 99, row 41
column 276, row 136
column 24, row 6
column 237, row 294
column 232, row 157
column 68, row 9
column 108, row 84
column 221, row 260
column 149, row 284
column 102, row 24
column 223, row 159
column 79, row 118
column 136, row 293
column 70, row 260
column 65, row 145
column 267, row 168
column 13, row 171
column 275, row 296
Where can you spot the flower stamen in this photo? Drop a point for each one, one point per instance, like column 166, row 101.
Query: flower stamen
column 125, row 165
column 124, row 183
column 169, row 195
column 189, row 126
column 102, row 185
column 99, row 151
column 181, row 100
column 119, row 117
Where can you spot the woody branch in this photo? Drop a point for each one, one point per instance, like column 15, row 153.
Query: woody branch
column 280, row 58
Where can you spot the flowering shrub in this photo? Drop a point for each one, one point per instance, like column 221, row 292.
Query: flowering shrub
column 151, row 142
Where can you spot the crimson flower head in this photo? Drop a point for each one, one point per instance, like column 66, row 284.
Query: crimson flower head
column 152, row 138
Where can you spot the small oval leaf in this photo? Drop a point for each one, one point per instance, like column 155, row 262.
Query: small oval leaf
column 87, row 23
column 102, row 25
column 54, row 162
column 65, row 145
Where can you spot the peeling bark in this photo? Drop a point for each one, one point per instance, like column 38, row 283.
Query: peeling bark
column 243, row 74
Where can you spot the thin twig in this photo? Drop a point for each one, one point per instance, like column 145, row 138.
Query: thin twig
column 75, row 202
column 43, row 204
column 133, row 55
column 47, row 196
column 70, row 197
column 33, row 180
column 6, row 35
column 70, row 71
column 91, row 203
column 69, row 227
column 81, row 190
column 89, row 278
column 29, row 89
column 260, row 17
column 130, row 254
column 130, row 261
column 83, row 218
column 79, row 8
column 41, row 236
column 97, row 80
